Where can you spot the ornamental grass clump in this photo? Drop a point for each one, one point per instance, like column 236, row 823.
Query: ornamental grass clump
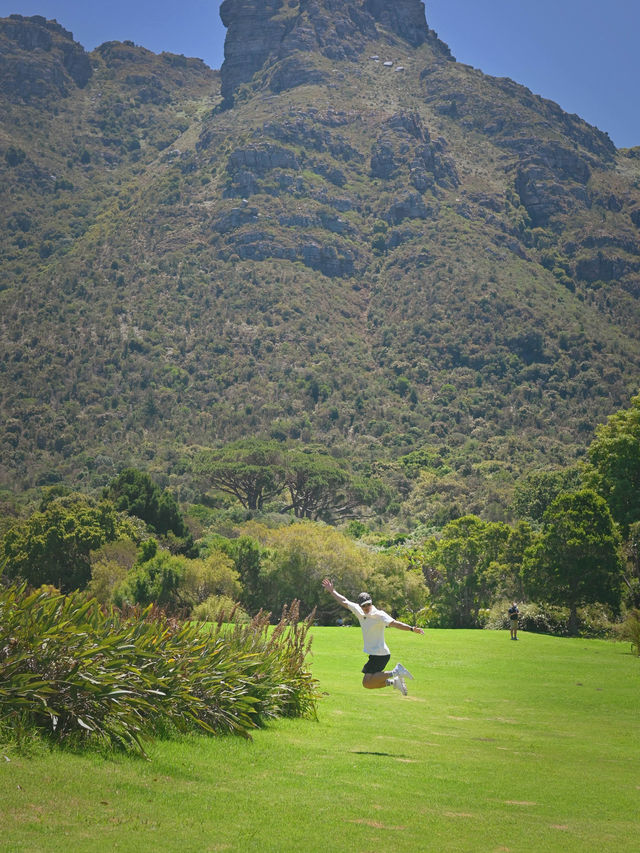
column 284, row 686
column 81, row 674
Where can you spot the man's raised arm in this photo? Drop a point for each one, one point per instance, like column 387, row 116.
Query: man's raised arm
column 329, row 587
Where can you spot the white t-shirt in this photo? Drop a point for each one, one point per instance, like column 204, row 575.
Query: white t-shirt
column 373, row 624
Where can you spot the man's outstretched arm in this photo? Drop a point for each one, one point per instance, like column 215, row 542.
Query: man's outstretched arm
column 404, row 627
column 330, row 588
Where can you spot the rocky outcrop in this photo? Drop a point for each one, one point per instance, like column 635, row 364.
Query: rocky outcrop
column 235, row 218
column 39, row 59
column 405, row 143
column 248, row 166
column 500, row 108
column 406, row 18
column 605, row 267
column 410, row 207
column 281, row 36
column 550, row 179
column 255, row 30
column 294, row 71
column 316, row 132
column 262, row 159
column 331, row 260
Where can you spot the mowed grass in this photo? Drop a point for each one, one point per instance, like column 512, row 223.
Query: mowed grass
column 500, row 746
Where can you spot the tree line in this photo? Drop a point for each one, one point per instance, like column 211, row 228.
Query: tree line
column 575, row 542
column 317, row 485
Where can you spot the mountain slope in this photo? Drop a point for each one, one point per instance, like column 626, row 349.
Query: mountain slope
column 345, row 236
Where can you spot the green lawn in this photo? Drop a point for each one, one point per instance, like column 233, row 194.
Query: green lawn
column 500, row 746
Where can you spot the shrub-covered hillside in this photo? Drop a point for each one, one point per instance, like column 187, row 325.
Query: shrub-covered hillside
column 380, row 260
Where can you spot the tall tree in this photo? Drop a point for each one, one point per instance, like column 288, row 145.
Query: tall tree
column 316, row 484
column 322, row 488
column 615, row 456
column 135, row 493
column 252, row 470
column 457, row 567
column 54, row 546
column 576, row 560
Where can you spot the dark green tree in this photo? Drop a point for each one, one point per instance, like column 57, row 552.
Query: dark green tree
column 135, row 493
column 460, row 568
column 615, row 456
column 252, row 470
column 316, row 484
column 538, row 489
column 576, row 559
column 247, row 554
column 54, row 546
column 156, row 581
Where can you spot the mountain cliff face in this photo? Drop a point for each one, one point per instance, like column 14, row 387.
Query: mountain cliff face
column 40, row 59
column 282, row 36
column 345, row 236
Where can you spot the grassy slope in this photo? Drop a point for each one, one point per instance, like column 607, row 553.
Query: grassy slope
column 499, row 747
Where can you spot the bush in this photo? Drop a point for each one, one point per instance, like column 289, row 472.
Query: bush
column 213, row 576
column 594, row 620
column 537, row 618
column 78, row 673
column 157, row 581
column 629, row 630
column 220, row 608
column 426, row 617
column 109, row 567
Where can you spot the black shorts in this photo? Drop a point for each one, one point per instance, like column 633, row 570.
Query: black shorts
column 376, row 663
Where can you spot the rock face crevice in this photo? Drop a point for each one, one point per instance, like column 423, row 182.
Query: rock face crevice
column 263, row 33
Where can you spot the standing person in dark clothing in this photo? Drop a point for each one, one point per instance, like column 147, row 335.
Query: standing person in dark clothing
column 514, row 615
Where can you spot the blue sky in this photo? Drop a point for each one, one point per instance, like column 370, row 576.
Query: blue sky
column 583, row 54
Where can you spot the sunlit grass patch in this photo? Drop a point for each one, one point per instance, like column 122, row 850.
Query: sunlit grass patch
column 499, row 746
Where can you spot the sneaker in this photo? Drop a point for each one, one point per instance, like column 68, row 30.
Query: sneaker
column 402, row 671
column 399, row 684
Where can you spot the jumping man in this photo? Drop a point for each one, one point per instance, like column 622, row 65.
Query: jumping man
column 373, row 622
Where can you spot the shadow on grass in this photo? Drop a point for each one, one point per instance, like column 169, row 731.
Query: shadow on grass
column 383, row 754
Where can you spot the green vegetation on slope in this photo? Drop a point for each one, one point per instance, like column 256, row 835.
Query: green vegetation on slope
column 368, row 262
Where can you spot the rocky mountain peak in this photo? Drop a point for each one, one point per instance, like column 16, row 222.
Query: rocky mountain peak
column 261, row 33
column 406, row 18
column 39, row 59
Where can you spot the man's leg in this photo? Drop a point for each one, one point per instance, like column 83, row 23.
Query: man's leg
column 375, row 680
